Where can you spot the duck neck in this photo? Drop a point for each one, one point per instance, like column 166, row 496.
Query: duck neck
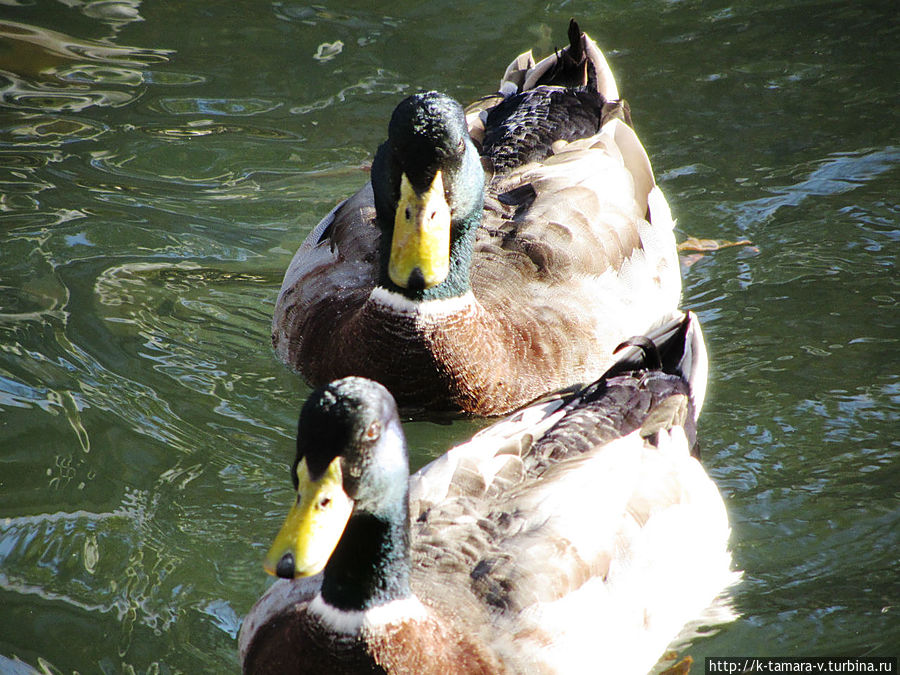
column 457, row 282
column 370, row 565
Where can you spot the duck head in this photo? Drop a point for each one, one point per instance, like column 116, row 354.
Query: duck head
column 350, row 475
column 428, row 183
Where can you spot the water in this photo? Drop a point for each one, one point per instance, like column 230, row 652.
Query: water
column 160, row 163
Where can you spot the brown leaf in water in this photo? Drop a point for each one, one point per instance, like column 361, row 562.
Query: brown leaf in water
column 683, row 667
column 695, row 244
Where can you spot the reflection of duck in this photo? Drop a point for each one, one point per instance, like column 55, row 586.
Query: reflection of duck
column 478, row 292
column 578, row 532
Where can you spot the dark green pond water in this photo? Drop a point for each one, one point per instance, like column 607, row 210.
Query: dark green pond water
column 159, row 164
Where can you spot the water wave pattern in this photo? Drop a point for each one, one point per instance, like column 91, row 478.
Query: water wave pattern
column 47, row 71
column 124, row 564
column 133, row 337
column 192, row 326
column 381, row 82
column 839, row 174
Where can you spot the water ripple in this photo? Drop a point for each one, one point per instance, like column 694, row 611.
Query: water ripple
column 840, row 173
column 44, row 70
column 51, row 131
column 23, row 95
column 181, row 310
column 382, row 82
column 238, row 107
column 34, row 41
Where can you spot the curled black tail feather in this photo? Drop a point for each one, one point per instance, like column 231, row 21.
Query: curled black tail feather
column 571, row 68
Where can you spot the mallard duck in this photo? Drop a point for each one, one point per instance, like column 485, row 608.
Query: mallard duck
column 496, row 254
column 577, row 535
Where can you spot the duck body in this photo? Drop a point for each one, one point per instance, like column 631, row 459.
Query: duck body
column 578, row 533
column 538, row 240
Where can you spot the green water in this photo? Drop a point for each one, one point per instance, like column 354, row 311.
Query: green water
column 159, row 164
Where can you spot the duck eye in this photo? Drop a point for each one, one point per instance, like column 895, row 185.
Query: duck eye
column 325, row 501
column 407, row 213
column 373, row 431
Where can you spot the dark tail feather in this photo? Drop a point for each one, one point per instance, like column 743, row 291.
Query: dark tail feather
column 571, row 68
column 576, row 46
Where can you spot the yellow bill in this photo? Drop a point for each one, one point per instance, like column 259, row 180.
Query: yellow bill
column 314, row 524
column 421, row 241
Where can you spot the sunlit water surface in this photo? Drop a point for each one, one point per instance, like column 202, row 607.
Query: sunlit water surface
column 159, row 164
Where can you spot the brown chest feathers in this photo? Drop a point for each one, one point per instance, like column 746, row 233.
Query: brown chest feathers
column 296, row 643
column 458, row 357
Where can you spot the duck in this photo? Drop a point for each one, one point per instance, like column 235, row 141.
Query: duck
column 497, row 253
column 579, row 533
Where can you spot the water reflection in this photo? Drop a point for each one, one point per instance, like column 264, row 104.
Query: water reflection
column 382, row 82
column 43, row 70
column 840, row 173
column 115, row 13
column 217, row 106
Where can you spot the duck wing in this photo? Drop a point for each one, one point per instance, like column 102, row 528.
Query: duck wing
column 572, row 214
column 581, row 527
